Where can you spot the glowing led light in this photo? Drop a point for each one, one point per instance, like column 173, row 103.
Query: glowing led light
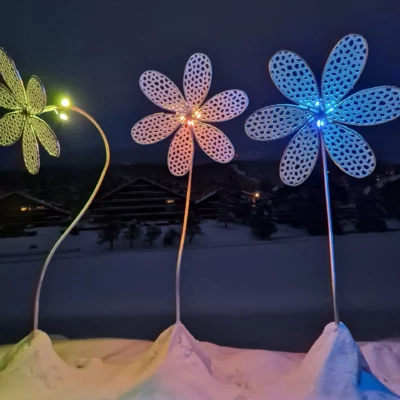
column 257, row 194
column 190, row 123
column 64, row 116
column 320, row 123
column 197, row 114
column 317, row 104
column 65, row 102
column 182, row 118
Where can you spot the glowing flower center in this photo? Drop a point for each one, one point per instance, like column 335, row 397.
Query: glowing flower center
column 321, row 112
column 191, row 117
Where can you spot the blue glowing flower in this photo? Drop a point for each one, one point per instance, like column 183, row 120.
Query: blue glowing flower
column 318, row 114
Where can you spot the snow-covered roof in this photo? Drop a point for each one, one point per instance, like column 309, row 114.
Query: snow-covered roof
column 36, row 201
column 208, row 195
column 134, row 181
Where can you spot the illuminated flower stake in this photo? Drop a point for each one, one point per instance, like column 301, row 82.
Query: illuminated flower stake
column 318, row 116
column 23, row 120
column 190, row 115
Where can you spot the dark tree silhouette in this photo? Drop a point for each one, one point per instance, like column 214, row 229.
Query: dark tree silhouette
column 170, row 237
column 133, row 232
column 261, row 223
column 152, row 233
column 110, row 233
column 193, row 225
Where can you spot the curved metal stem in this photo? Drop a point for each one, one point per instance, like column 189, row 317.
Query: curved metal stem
column 181, row 245
column 78, row 217
column 330, row 231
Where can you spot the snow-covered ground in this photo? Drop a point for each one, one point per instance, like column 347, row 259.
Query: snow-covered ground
column 213, row 234
column 178, row 367
column 284, row 283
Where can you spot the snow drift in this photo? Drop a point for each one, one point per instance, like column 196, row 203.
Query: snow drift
column 178, row 367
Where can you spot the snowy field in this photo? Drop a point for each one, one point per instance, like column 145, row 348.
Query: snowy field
column 213, row 234
column 229, row 288
column 236, row 291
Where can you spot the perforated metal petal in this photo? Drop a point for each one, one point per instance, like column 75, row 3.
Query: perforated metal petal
column 274, row 122
column 36, row 95
column 369, row 107
column 349, row 151
column 224, row 106
column 343, row 68
column 300, row 156
column 180, row 153
column 162, row 91
column 46, row 136
column 30, row 150
column 197, row 79
column 214, row 143
column 11, row 77
column 294, row 78
column 7, row 99
column 154, row 128
column 11, row 127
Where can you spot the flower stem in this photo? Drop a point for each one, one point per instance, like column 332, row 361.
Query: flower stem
column 181, row 245
column 330, row 230
column 78, row 217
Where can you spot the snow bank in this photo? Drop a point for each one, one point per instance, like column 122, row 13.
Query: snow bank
column 178, row 367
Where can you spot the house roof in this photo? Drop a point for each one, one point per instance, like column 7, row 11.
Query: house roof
column 207, row 196
column 134, row 181
column 36, row 201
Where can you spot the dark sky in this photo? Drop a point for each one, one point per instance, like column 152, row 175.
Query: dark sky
column 95, row 51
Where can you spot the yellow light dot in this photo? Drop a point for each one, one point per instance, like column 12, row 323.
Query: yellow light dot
column 65, row 102
column 64, row 116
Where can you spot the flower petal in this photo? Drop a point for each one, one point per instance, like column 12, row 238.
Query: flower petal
column 162, row 91
column 197, row 79
column 224, row 106
column 154, row 128
column 11, row 77
column 275, row 122
column 36, row 95
column 7, row 100
column 369, row 107
column 343, row 68
column 348, row 150
column 214, row 143
column 11, row 127
column 30, row 149
column 180, row 153
column 46, row 136
column 300, row 156
column 294, row 78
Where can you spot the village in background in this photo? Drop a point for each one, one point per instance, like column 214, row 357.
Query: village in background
column 141, row 206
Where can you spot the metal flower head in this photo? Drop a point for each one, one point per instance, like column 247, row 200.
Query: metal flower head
column 23, row 120
column 189, row 115
column 319, row 115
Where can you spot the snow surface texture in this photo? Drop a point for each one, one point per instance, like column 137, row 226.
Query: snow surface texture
column 177, row 367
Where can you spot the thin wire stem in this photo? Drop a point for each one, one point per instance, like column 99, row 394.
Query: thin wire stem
column 330, row 232
column 181, row 245
column 78, row 217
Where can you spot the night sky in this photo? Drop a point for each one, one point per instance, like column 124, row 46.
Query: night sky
column 94, row 51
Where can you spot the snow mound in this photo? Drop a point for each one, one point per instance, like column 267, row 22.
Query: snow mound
column 178, row 367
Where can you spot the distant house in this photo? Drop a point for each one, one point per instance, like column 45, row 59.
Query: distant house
column 20, row 210
column 208, row 207
column 140, row 200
